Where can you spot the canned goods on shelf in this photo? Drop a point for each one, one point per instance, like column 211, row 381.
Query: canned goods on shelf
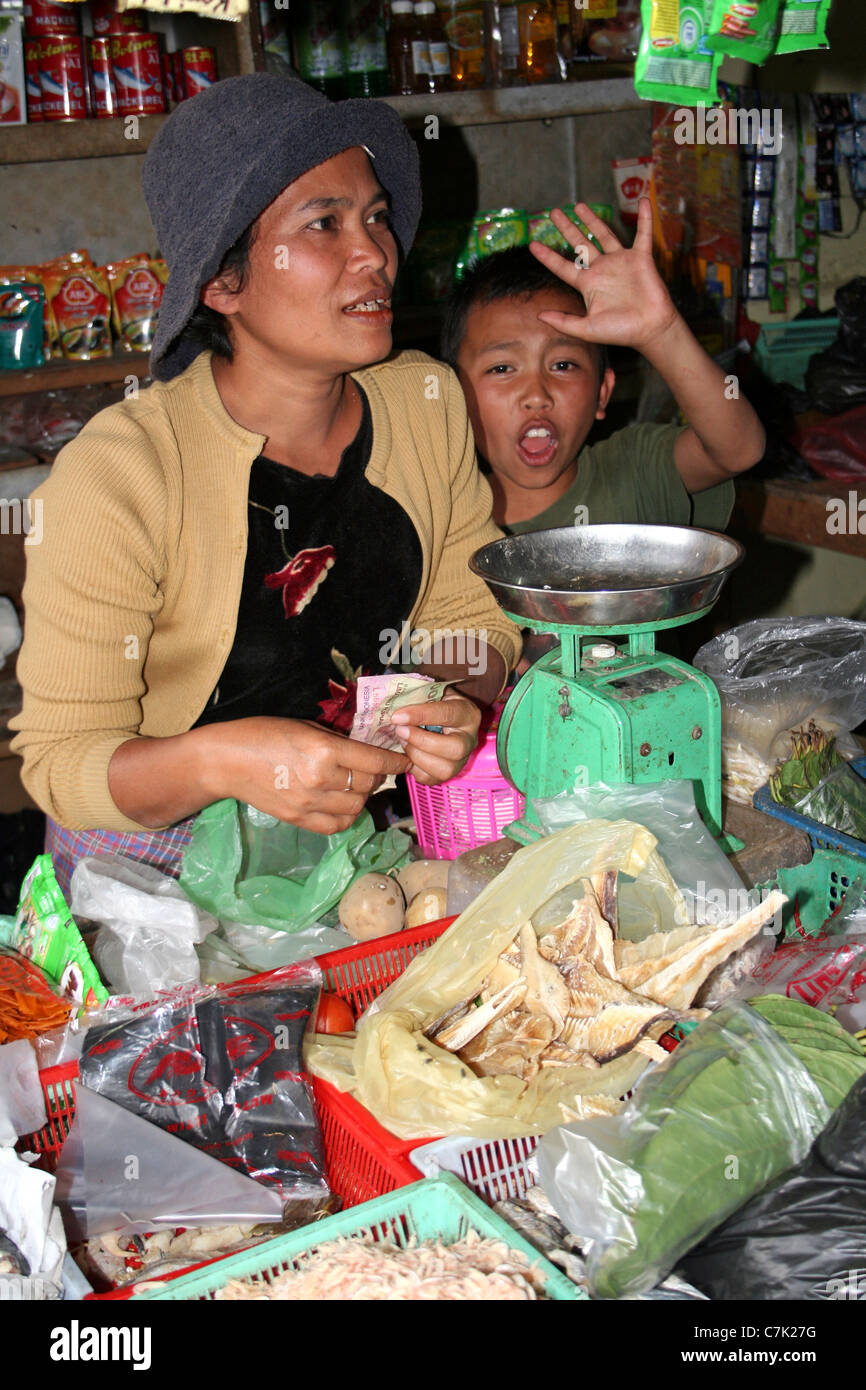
column 136, row 66
column 108, row 19
column 199, row 69
column 62, row 79
column 31, row 81
column 103, row 96
column 42, row 20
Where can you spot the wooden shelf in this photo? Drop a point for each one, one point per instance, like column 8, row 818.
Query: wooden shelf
column 56, row 375
column 587, row 96
column 788, row 509
column 100, row 139
column 91, row 139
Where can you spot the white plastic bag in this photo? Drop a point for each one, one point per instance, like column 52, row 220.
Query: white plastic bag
column 773, row 674
column 148, row 926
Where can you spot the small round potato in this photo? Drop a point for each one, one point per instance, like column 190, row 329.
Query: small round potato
column 428, row 906
column 422, row 874
column 372, row 906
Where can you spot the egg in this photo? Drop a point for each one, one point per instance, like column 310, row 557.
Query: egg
column 372, row 906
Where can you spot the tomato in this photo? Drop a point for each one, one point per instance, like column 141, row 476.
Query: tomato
column 334, row 1015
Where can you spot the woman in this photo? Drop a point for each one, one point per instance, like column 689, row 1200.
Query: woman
column 223, row 552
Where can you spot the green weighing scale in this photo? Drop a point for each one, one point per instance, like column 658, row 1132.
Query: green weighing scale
column 605, row 706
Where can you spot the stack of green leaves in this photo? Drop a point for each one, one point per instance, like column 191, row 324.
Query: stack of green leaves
column 736, row 1105
column 834, row 1059
column 817, row 781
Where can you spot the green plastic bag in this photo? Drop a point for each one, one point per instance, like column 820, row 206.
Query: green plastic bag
column 245, row 866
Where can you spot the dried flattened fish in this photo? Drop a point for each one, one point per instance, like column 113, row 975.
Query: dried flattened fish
column 546, row 990
column 615, row 1030
column 458, row 1034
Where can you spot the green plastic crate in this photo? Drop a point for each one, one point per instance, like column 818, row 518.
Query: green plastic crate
column 816, row 890
column 436, row 1209
column 783, row 350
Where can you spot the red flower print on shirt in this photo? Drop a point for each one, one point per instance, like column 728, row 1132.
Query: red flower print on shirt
column 301, row 577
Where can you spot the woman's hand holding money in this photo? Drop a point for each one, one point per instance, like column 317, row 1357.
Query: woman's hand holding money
column 436, row 758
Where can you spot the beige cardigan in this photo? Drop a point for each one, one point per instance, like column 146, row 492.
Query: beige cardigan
column 132, row 596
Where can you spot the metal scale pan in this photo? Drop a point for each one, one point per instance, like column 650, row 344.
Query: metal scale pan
column 613, row 577
column 604, row 711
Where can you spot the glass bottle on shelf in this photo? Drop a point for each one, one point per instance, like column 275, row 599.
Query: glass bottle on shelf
column 319, row 55
column 405, row 41
column 503, row 42
column 365, row 49
column 439, row 61
column 466, row 32
column 540, row 59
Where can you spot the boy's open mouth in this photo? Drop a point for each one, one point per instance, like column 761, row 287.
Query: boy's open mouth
column 537, row 444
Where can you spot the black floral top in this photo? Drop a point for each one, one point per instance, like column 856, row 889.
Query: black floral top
column 333, row 566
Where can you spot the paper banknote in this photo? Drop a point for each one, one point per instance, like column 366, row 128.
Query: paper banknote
column 379, row 696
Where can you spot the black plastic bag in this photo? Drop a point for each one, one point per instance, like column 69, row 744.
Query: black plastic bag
column 804, row 1236
column 836, row 378
column 222, row 1069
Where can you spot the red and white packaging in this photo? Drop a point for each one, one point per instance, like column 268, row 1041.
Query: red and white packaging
column 199, row 70
column 136, row 67
column 108, row 19
column 31, row 80
column 42, row 20
column 632, row 178
column 62, row 79
column 13, row 104
column 103, row 97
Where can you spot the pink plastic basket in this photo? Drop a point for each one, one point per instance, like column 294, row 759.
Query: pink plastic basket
column 471, row 809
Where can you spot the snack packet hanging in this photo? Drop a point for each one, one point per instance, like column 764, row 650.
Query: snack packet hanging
column 744, row 30
column 81, row 310
column 21, row 325
column 803, row 25
column 674, row 63
column 45, row 932
column 136, row 285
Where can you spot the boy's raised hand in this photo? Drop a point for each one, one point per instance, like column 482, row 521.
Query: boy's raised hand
column 627, row 302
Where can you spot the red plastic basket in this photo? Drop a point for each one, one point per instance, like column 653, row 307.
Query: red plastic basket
column 365, row 1160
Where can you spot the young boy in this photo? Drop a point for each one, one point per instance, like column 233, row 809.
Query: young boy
column 525, row 331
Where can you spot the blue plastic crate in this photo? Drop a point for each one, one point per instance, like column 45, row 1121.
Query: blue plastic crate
column 821, row 836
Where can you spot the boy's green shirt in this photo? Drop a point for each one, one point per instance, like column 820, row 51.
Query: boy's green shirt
column 632, row 477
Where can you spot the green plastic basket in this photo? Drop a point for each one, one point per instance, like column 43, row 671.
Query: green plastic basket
column 783, row 350
column 436, row 1209
column 817, row 890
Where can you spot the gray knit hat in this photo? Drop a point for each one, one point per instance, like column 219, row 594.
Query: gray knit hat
column 223, row 157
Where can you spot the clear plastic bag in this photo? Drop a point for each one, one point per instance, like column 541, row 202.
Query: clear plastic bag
column 711, row 886
column 148, row 928
column 119, row 1173
column 773, row 674
column 245, row 866
column 419, row 1090
column 731, row 1109
column 839, row 801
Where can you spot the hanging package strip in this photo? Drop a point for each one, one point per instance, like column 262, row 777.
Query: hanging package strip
column 745, row 30
column 213, row 9
column 674, row 63
column 803, row 26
